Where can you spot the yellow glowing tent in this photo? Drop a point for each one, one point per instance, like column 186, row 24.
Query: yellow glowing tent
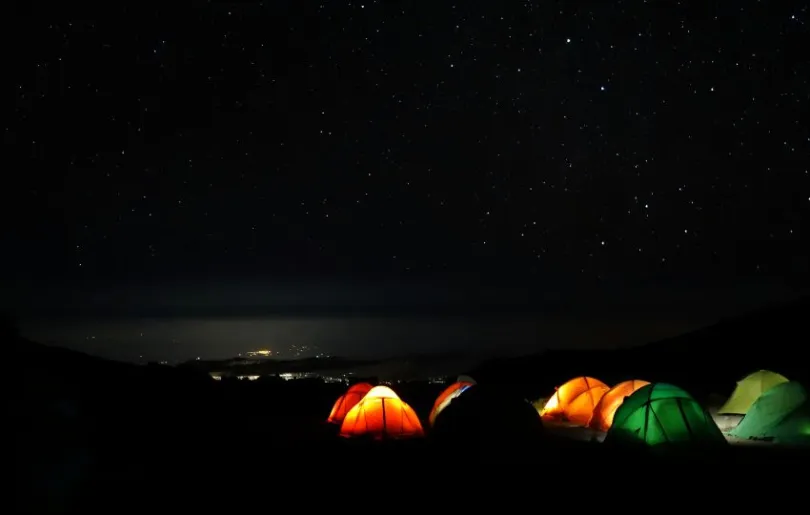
column 748, row 391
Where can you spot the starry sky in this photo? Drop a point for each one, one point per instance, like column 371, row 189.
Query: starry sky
column 524, row 143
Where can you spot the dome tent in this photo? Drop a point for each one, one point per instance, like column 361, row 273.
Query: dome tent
column 381, row 415
column 781, row 414
column 347, row 401
column 603, row 413
column 446, row 397
column 564, row 395
column 489, row 419
column 662, row 414
column 748, row 391
column 580, row 410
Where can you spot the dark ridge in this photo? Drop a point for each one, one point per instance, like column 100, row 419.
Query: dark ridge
column 705, row 361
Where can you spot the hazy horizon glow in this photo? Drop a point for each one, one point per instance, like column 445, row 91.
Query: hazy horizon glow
column 172, row 339
column 178, row 321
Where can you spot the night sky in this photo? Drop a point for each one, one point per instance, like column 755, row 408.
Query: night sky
column 457, row 143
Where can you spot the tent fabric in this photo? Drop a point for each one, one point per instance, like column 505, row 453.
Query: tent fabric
column 347, row 401
column 465, row 379
column 381, row 415
column 489, row 418
column 554, row 408
column 580, row 410
column 748, row 390
column 781, row 414
column 660, row 413
column 446, row 397
column 382, row 392
column 603, row 413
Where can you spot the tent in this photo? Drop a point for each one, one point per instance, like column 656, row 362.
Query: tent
column 446, row 397
column 661, row 413
column 556, row 405
column 603, row 413
column 489, row 419
column 381, row 415
column 347, row 401
column 748, row 390
column 781, row 414
column 580, row 410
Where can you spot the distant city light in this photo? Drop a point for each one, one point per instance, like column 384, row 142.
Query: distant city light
column 261, row 352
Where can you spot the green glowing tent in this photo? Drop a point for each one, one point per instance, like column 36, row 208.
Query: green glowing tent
column 781, row 414
column 661, row 413
column 748, row 390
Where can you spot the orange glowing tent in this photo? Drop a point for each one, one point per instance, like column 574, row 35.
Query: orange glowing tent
column 446, row 397
column 604, row 411
column 347, row 401
column 381, row 415
column 580, row 410
column 564, row 395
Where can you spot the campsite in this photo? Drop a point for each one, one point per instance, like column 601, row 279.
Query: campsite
column 110, row 428
column 450, row 256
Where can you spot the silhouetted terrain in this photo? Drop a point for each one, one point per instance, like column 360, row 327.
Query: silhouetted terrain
column 709, row 360
column 91, row 431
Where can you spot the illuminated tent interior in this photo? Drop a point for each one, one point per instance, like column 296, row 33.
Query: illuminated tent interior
column 380, row 415
column 604, row 411
column 781, row 414
column 446, row 397
column 347, row 401
column 661, row 413
column 580, row 410
column 748, row 391
column 564, row 395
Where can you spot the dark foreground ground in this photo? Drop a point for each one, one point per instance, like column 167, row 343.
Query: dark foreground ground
column 194, row 442
column 210, row 468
